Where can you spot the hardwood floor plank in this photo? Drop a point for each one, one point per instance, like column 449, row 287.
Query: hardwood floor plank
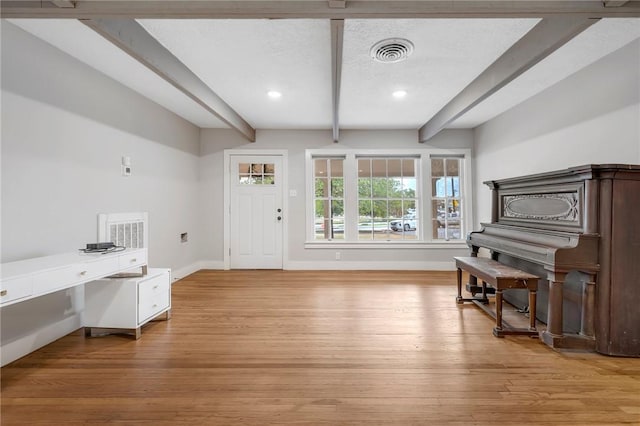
column 318, row 348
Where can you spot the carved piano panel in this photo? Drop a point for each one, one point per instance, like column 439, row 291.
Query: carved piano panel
column 579, row 230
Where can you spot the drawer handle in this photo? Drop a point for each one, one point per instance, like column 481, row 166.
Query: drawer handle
column 134, row 260
column 83, row 273
column 3, row 293
column 155, row 286
column 154, row 305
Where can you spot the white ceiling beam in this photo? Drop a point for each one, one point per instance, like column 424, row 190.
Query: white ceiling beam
column 338, row 4
column 281, row 9
column 64, row 3
column 614, row 3
column 337, row 37
column 133, row 39
column 542, row 40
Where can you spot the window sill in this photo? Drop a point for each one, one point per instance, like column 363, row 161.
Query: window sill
column 458, row 244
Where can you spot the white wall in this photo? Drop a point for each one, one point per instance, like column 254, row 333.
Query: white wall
column 213, row 144
column 65, row 128
column 591, row 117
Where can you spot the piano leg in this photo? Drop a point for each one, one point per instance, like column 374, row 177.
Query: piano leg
column 588, row 306
column 553, row 334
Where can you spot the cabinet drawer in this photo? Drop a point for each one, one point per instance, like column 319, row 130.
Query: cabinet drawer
column 15, row 288
column 49, row 281
column 130, row 260
column 97, row 268
column 151, row 307
column 154, row 296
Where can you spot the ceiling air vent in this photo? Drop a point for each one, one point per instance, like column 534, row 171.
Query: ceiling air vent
column 391, row 50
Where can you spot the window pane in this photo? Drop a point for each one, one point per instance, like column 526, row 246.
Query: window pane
column 364, row 167
column 379, row 187
column 437, row 167
column 395, row 209
column 394, row 188
column 337, row 208
column 409, row 187
column 269, row 168
column 379, row 168
column 321, row 188
column 336, row 167
column 337, row 187
column 409, row 208
column 243, row 168
column 321, row 209
column 453, row 167
column 365, row 209
column 380, row 210
column 320, row 167
column 268, row 180
column 408, row 167
column 394, row 167
column 364, row 187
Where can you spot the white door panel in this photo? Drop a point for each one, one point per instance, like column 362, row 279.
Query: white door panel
column 256, row 192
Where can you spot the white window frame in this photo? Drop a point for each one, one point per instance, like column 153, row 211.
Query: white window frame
column 424, row 204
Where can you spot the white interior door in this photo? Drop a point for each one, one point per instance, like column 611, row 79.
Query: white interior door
column 256, row 212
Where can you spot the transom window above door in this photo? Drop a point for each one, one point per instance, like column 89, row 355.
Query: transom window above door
column 256, row 174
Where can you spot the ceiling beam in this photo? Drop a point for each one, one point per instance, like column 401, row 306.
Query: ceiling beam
column 64, row 3
column 337, row 37
column 281, row 9
column 614, row 3
column 542, row 40
column 133, row 39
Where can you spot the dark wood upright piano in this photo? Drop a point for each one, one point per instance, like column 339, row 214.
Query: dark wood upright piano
column 578, row 229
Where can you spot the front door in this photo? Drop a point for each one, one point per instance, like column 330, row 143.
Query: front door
column 255, row 185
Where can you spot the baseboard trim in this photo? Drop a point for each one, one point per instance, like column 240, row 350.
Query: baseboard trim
column 370, row 266
column 180, row 273
column 33, row 341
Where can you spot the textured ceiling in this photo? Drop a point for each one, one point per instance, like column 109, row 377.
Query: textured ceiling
column 448, row 55
column 241, row 60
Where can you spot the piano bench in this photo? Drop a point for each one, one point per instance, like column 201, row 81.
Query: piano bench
column 500, row 277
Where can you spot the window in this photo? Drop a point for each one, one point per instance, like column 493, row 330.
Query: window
column 446, row 200
column 382, row 196
column 387, row 198
column 256, row 174
column 328, row 198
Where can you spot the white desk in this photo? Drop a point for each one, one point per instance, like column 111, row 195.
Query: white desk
column 26, row 279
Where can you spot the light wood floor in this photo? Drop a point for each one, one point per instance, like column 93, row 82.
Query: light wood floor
column 318, row 348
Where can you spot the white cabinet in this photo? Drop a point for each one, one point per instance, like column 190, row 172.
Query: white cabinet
column 127, row 303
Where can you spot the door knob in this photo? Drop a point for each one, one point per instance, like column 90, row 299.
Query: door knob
column 279, row 217
column 279, row 210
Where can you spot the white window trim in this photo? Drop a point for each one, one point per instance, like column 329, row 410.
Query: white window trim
column 424, row 209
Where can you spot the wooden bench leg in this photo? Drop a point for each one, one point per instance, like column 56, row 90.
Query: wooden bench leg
column 498, row 330
column 459, row 300
column 532, row 310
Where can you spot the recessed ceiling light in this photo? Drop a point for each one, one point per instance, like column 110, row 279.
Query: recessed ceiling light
column 399, row 94
column 273, row 94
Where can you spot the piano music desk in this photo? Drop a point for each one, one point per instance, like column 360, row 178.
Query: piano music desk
column 500, row 277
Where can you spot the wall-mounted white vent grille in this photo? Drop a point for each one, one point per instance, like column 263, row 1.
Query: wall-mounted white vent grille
column 123, row 229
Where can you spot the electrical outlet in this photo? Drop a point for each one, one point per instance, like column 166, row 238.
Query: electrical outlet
column 338, row 256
